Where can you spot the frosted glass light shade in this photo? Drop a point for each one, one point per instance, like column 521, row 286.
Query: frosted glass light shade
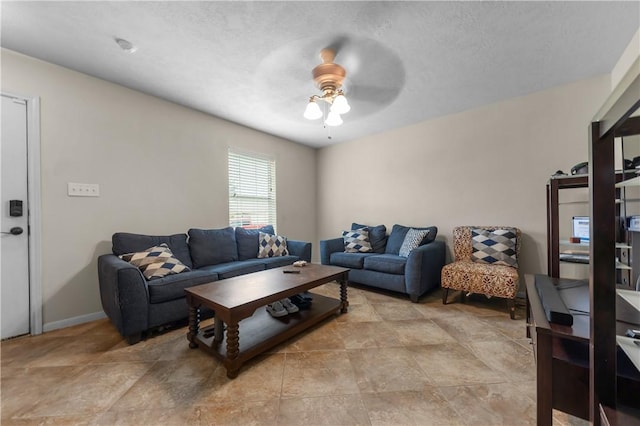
column 340, row 105
column 333, row 119
column 313, row 111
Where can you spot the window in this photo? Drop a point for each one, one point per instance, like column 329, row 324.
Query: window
column 252, row 190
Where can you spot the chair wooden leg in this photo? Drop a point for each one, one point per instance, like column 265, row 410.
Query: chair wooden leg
column 511, row 303
column 445, row 293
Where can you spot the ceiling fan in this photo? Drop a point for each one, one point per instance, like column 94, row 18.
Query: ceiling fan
column 329, row 78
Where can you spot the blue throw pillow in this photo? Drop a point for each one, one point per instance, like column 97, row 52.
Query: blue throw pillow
column 399, row 232
column 247, row 240
column 377, row 236
column 212, row 246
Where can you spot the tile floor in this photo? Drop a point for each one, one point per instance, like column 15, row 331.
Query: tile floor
column 386, row 362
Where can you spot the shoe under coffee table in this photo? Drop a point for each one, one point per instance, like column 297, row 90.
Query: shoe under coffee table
column 240, row 302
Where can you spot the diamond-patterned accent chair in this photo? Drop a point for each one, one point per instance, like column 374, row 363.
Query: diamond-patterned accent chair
column 474, row 276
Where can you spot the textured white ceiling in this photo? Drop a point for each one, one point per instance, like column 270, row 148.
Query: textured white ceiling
column 251, row 62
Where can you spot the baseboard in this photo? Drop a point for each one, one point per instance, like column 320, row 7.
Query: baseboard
column 68, row 322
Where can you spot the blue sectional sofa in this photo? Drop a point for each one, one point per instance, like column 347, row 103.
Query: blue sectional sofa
column 383, row 267
column 135, row 304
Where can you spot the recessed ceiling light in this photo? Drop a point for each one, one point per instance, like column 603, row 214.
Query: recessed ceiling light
column 126, row 45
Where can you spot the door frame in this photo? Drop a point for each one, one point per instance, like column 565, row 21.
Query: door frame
column 35, row 209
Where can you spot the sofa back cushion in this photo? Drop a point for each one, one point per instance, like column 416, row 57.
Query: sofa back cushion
column 248, row 241
column 399, row 232
column 212, row 246
column 377, row 236
column 124, row 242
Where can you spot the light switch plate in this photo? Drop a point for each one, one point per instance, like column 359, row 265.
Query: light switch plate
column 83, row 189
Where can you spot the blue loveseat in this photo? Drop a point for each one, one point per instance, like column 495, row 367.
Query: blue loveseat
column 383, row 267
column 135, row 305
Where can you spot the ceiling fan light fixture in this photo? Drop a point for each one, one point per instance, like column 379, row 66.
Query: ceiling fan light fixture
column 333, row 119
column 340, row 104
column 312, row 112
column 328, row 77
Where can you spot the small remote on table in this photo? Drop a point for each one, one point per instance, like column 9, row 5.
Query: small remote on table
column 290, row 271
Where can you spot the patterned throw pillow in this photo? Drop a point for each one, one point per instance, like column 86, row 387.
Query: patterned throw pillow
column 156, row 262
column 357, row 241
column 497, row 247
column 412, row 240
column 271, row 245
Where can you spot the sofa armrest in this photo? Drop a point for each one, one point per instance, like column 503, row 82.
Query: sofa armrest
column 302, row 249
column 124, row 295
column 330, row 246
column 423, row 268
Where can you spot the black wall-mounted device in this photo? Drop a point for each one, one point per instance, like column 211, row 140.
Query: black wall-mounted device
column 15, row 208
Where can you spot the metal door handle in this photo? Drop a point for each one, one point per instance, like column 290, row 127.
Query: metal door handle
column 16, row 230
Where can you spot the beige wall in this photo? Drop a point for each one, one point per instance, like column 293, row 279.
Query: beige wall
column 162, row 169
column 487, row 166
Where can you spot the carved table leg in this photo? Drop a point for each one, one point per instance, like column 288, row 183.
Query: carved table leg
column 233, row 349
column 343, row 296
column 194, row 325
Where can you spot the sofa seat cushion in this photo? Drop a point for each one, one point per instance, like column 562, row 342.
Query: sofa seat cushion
column 172, row 287
column 276, row 262
column 349, row 260
column 125, row 242
column 387, row 263
column 473, row 277
column 233, row 269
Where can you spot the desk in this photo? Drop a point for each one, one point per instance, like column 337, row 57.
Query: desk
column 562, row 357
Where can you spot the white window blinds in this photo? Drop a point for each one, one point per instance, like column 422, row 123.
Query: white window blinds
column 252, row 190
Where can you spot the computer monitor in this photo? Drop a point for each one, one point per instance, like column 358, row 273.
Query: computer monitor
column 581, row 228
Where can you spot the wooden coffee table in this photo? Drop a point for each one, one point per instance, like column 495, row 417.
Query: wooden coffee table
column 240, row 302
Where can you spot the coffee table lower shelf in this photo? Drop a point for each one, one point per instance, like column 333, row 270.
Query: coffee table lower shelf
column 261, row 331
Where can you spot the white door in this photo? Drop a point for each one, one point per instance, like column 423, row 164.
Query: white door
column 14, row 250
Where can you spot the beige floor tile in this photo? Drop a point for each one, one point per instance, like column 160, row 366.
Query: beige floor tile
column 93, row 390
column 386, row 370
column 358, row 335
column 323, row 337
column 360, row 313
column 324, row 410
column 420, row 332
column 427, row 407
column 23, row 391
column 396, row 311
column 50, row 421
column 311, row 374
column 258, row 380
column 513, row 328
column 245, row 413
column 466, row 328
column 507, row 357
column 564, row 419
column 176, row 416
column 491, row 404
column 452, row 364
column 381, row 296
